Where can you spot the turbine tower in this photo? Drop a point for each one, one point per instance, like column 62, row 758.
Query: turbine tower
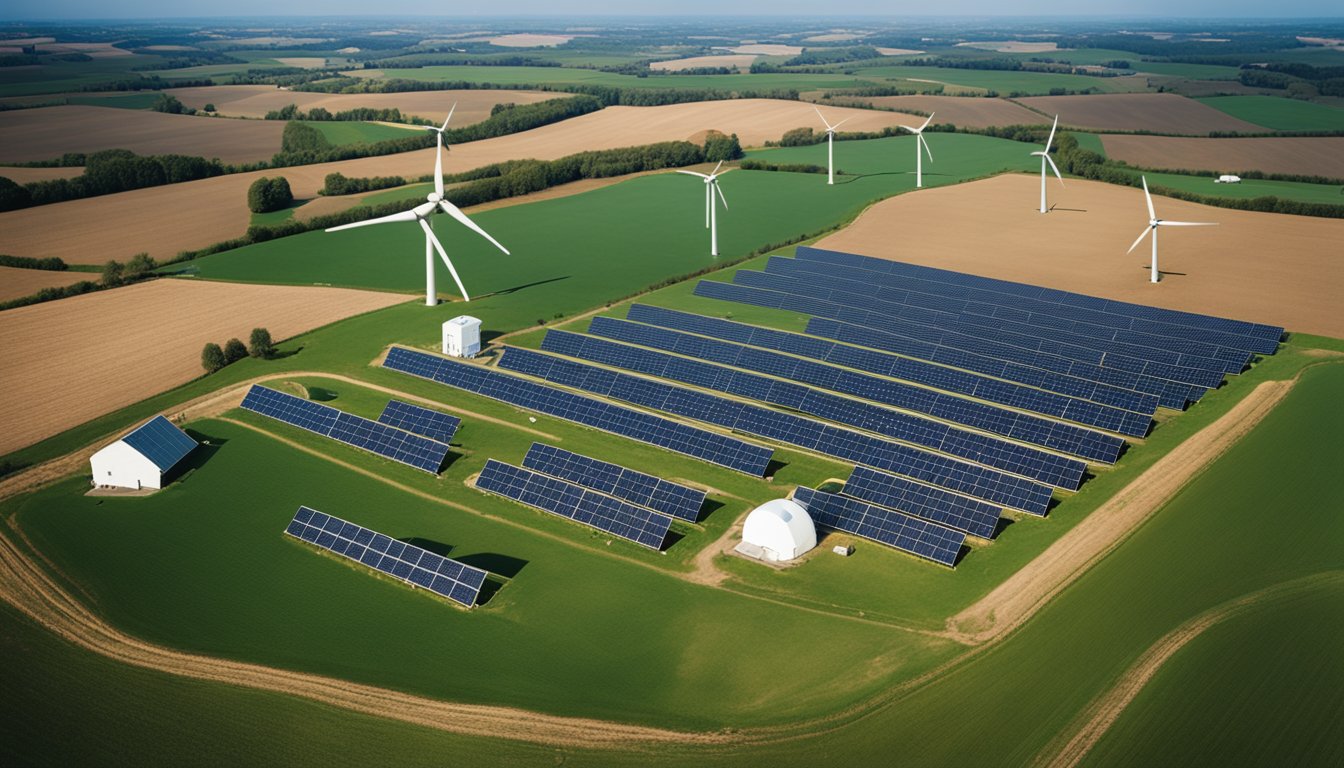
column 421, row 213
column 920, row 140
column 1154, row 223
column 711, row 210
column 830, row 145
column 1045, row 158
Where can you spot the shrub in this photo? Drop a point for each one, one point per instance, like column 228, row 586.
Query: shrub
column 234, row 351
column 299, row 137
column 212, row 358
column 262, row 346
column 139, row 267
column 209, row 107
column 267, row 194
column 170, row 104
column 719, row 147
column 114, row 274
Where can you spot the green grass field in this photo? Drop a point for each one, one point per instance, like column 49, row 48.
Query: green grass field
column 343, row 132
column 1190, row 71
column 1006, row 81
column 1090, row 141
column 1330, row 194
column 1280, row 114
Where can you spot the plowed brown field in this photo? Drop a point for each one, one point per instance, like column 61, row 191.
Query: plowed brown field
column 104, row 351
column 1263, row 267
column 1156, row 112
column 1312, row 156
column 48, row 132
column 972, row 113
column 16, row 283
column 257, row 100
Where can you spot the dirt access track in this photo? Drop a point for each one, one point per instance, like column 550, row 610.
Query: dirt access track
column 1264, row 267
column 256, row 100
column 1155, row 112
column 166, row 220
column 103, row 351
column 1305, row 155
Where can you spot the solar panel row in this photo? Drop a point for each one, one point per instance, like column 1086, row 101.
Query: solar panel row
column 418, row 567
column 702, row 444
column 974, row 517
column 421, row 421
column 886, row 526
column 954, row 474
column 160, row 442
column 1078, row 393
column 637, row 488
column 575, row 503
column 1268, row 335
column 1020, row 459
column 396, row 444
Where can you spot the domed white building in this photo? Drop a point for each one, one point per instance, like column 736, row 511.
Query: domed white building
column 778, row 531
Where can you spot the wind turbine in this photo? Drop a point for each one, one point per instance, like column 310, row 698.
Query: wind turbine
column 1154, row 223
column 919, row 139
column 421, row 213
column 711, row 210
column 1045, row 158
column 830, row 145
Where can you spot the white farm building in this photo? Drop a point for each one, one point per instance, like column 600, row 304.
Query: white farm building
column 142, row 456
column 778, row 531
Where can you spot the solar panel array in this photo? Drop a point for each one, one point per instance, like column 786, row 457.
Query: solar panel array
column 418, row 567
column 886, row 526
column 974, row 517
column 421, row 421
column 646, row 427
column 161, row 442
column 637, row 488
column 1011, row 457
column 574, row 502
column 974, row 480
column 390, row 442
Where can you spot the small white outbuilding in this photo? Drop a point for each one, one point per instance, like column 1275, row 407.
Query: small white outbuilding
column 1227, row 178
column 462, row 336
column 778, row 531
column 142, row 456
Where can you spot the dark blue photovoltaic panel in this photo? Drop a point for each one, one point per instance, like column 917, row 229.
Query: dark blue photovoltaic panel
column 974, row 517
column 1024, row 460
column 390, row 442
column 614, row 480
column 954, row 474
column 885, row 526
column 576, row 503
column 1082, row 400
column 1139, row 316
column 702, row 444
column 421, row 421
column 161, row 442
column 418, row 567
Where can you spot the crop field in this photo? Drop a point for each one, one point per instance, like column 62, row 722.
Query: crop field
column 1308, row 156
column 1151, row 112
column 1279, row 113
column 1005, row 82
column 524, row 76
column 730, row 60
column 257, row 100
column 68, row 76
column 1247, row 189
column 340, row 133
column 1182, row 69
column 959, row 111
column 16, row 283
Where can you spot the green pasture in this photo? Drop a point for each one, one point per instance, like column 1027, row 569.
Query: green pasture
column 1331, row 194
column 343, row 132
column 1189, row 71
column 1090, row 141
column 1006, row 81
column 1280, row 114
column 68, row 76
column 515, row 76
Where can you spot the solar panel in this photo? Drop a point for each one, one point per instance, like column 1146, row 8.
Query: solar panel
column 160, row 441
column 959, row 512
column 390, row 442
column 421, row 421
column 699, row 443
column 955, row 474
column 885, row 526
column 637, row 488
column 418, row 567
column 1025, row 460
column 576, row 503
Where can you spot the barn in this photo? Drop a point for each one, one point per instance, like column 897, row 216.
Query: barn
column 142, row 456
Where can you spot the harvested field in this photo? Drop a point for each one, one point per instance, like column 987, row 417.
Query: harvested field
column 732, row 61
column 166, row 220
column 257, row 100
column 104, row 351
column 768, row 49
column 303, row 62
column 971, row 113
column 898, row 51
column 48, row 132
column 22, row 175
column 1156, row 112
column 1312, row 156
column 1011, row 46
column 16, row 283
column 1263, row 267
column 529, row 41
column 834, row 37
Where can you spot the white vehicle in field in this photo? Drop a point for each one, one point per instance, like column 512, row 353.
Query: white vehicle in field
column 1227, row 178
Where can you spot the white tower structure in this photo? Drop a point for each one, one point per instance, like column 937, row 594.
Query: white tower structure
column 462, row 336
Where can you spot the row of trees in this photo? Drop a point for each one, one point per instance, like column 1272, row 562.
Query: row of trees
column 609, row 95
column 106, row 172
column 214, row 357
column 114, row 273
column 358, row 114
column 340, row 184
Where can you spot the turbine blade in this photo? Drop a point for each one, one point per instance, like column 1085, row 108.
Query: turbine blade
column 449, row 117
column 908, row 128
column 693, row 173
column 721, row 197
column 842, row 122
column 1052, row 134
column 452, row 210
column 1165, row 223
column 1151, row 213
column 1146, row 230
column 925, row 142
column 1038, row 154
column 429, row 235
column 927, row 120
column 823, row 118
column 1054, row 167
column 403, row 216
column 715, row 172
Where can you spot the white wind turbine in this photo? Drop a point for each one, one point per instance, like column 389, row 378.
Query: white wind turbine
column 1045, row 158
column 1154, row 223
column 711, row 210
column 830, row 145
column 421, row 213
column 919, row 139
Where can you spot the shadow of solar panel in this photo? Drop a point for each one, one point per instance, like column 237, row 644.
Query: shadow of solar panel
column 955, row 474
column 885, row 526
column 582, row 505
column 421, row 421
column 952, row 510
column 389, row 442
column 702, row 444
column 418, row 567
column 614, row 480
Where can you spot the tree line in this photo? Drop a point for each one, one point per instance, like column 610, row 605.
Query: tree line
column 106, row 172
column 214, row 357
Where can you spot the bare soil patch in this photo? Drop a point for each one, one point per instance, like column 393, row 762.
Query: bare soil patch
column 526, row 40
column 1012, row 46
column 257, row 100
column 1263, row 267
column 303, row 62
column 107, row 350
column 1307, row 155
column 48, row 132
column 898, row 51
column 1156, row 112
column 768, row 49
column 971, row 113
column 16, row 283
column 730, row 60
column 22, row 175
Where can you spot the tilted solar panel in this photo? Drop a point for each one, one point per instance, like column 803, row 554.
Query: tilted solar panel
column 421, row 421
column 885, row 526
column 626, row 484
column 160, row 441
column 964, row 514
column 582, row 505
column 418, row 567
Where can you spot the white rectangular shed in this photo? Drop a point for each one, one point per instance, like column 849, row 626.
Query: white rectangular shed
column 142, row 456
